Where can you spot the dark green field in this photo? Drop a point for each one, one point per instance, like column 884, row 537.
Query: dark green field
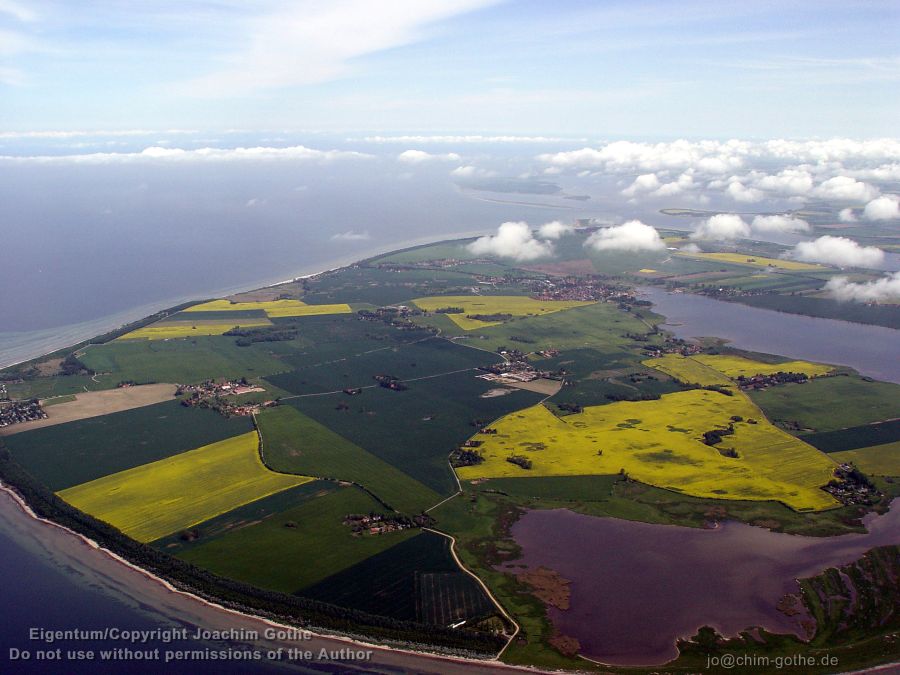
column 829, row 403
column 59, row 385
column 826, row 308
column 429, row 357
column 184, row 360
column 297, row 547
column 416, row 580
column 563, row 488
column 855, row 437
column 294, row 443
column 415, row 430
column 244, row 516
column 69, row 454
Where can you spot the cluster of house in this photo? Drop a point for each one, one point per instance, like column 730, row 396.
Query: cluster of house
column 674, row 346
column 850, row 486
column 16, row 412
column 396, row 316
column 761, row 381
column 211, row 394
column 587, row 288
column 375, row 523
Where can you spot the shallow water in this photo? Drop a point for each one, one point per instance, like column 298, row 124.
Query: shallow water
column 637, row 587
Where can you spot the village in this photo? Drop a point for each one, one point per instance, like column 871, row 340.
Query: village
column 211, row 394
column 17, row 412
column 376, row 523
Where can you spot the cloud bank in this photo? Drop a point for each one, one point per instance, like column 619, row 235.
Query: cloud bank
column 420, row 156
column 886, row 289
column 513, row 240
column 883, row 208
column 779, row 224
column 159, row 154
column 838, row 251
column 631, row 236
column 722, row 226
column 351, row 235
column 555, row 230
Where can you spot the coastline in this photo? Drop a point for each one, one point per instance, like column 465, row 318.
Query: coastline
column 70, row 335
column 483, row 665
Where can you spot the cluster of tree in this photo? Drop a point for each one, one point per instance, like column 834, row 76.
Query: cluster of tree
column 718, row 388
column 519, row 460
column 465, row 457
column 248, row 336
column 643, row 396
column 522, row 338
column 72, row 366
column 715, row 436
column 449, row 310
column 499, row 316
column 292, row 609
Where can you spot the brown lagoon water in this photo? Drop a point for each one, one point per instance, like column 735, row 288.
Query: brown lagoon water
column 636, row 588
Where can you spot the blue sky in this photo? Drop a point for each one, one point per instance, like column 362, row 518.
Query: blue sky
column 610, row 69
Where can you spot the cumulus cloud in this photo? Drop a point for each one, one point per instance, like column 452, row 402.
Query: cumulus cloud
column 555, row 230
column 351, row 235
column 845, row 188
column 883, row 208
column 838, row 251
column 644, row 183
column 420, row 156
column 722, row 226
column 631, row 236
column 621, row 156
column 474, row 138
column 790, row 181
column 470, row 171
column 886, row 289
column 779, row 224
column 847, row 216
column 690, row 248
column 160, row 154
column 741, row 193
column 513, row 240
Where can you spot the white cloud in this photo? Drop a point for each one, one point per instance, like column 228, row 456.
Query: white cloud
column 308, row 43
column 838, row 251
column 883, row 208
column 159, row 154
column 420, row 156
column 99, row 133
column 555, row 230
column 254, row 201
column 470, row 171
column 351, row 235
column 778, row 223
column 631, row 236
column 620, row 156
column 722, row 226
column 513, row 240
column 790, row 181
column 690, row 248
column 740, row 193
column 845, row 188
column 467, row 139
column 886, row 289
column 847, row 216
column 644, row 183
column 17, row 10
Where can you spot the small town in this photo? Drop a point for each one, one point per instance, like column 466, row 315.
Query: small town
column 17, row 412
column 210, row 394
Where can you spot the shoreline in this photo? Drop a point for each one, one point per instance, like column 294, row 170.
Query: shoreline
column 170, row 588
column 101, row 325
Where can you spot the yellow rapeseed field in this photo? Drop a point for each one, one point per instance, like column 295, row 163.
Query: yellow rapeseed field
column 876, row 460
column 735, row 366
column 661, row 443
column 156, row 499
column 515, row 305
column 688, row 370
column 180, row 329
column 754, row 260
column 273, row 308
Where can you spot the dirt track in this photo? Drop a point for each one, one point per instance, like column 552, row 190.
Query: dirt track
column 96, row 403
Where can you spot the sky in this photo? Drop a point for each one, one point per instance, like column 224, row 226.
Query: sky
column 610, row 69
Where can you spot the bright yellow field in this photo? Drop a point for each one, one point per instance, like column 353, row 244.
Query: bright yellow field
column 660, row 443
column 755, row 260
column 156, row 499
column 516, row 305
column 735, row 366
column 273, row 308
column 180, row 329
column 876, row 460
column 688, row 370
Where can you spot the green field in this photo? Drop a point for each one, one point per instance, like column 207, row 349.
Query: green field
column 183, row 361
column 59, row 385
column 855, row 437
column 156, row 499
column 297, row 547
column 830, row 403
column 415, row 430
column 76, row 452
column 405, row 361
column 476, row 305
column 294, row 443
column 875, row 460
column 416, row 580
